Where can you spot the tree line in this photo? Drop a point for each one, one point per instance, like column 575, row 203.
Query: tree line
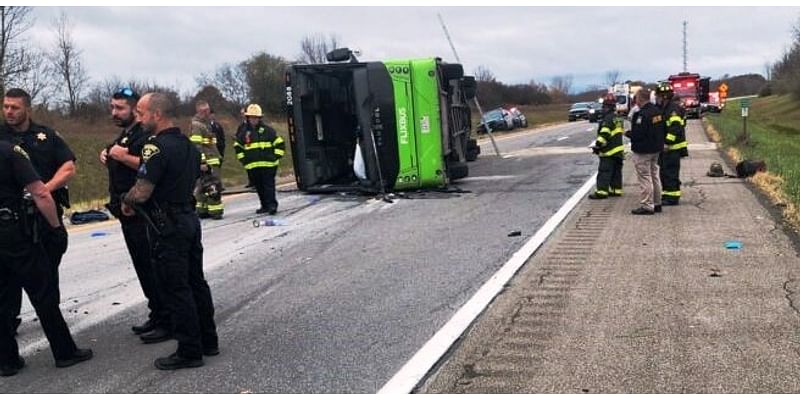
column 784, row 74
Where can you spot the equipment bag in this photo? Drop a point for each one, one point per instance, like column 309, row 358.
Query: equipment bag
column 78, row 218
column 748, row 168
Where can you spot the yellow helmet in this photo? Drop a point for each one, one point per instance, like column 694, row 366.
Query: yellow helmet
column 253, row 110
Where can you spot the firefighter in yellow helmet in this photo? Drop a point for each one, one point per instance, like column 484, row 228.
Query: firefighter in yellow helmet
column 608, row 146
column 259, row 148
column 208, row 190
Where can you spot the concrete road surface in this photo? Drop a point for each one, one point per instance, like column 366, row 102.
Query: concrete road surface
column 336, row 300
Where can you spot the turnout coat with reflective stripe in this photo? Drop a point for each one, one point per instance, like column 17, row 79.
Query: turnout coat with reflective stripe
column 259, row 146
column 675, row 138
column 205, row 140
column 609, row 136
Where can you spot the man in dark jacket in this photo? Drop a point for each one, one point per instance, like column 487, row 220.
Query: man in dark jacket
column 647, row 142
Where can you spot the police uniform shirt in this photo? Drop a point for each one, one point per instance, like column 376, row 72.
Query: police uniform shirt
column 16, row 171
column 121, row 177
column 172, row 164
column 45, row 147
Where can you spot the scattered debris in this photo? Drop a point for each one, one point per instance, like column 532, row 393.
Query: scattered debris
column 99, row 234
column 515, row 233
column 269, row 222
column 116, row 303
column 733, row 245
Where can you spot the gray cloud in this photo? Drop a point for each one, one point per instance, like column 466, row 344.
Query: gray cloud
column 173, row 45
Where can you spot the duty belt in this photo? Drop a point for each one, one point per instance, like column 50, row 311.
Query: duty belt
column 7, row 215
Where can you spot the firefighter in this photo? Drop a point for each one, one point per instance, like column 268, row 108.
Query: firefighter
column 208, row 190
column 609, row 148
column 25, row 263
column 259, row 149
column 163, row 192
column 53, row 160
column 675, row 145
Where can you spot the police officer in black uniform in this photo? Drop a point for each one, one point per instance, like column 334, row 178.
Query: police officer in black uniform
column 23, row 262
column 122, row 158
column 163, row 192
column 51, row 157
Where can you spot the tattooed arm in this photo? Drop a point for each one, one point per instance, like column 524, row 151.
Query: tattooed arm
column 139, row 193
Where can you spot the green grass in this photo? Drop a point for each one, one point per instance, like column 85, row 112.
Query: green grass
column 772, row 125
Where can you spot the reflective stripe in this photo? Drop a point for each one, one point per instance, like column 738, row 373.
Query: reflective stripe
column 670, row 137
column 601, row 140
column 675, row 118
column 616, row 191
column 279, row 152
column 239, row 156
column 258, row 145
column 278, row 140
column 216, row 207
column 605, row 129
column 196, row 138
column 601, row 192
column 678, row 146
column 213, row 162
column 261, row 164
column 617, row 131
column 613, row 151
column 675, row 193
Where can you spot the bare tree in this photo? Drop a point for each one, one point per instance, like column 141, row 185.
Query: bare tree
column 612, row 77
column 561, row 84
column 768, row 70
column 14, row 59
column 484, row 74
column 66, row 60
column 231, row 80
column 37, row 79
column 313, row 48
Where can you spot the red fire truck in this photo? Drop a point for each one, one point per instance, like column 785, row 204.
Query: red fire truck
column 686, row 86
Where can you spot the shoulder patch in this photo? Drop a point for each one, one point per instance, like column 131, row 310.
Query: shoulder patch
column 41, row 136
column 149, row 150
column 21, row 151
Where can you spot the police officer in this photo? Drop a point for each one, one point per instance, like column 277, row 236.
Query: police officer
column 23, row 262
column 208, row 190
column 122, row 158
column 169, row 169
column 259, row 148
column 51, row 157
column 675, row 145
column 610, row 149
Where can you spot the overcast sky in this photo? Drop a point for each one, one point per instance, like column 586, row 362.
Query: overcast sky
column 173, row 45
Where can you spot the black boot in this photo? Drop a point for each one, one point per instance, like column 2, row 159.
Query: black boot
column 174, row 361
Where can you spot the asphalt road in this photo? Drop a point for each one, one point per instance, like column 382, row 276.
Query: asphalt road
column 334, row 301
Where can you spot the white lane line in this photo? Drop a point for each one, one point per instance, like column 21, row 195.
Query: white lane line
column 562, row 138
column 409, row 376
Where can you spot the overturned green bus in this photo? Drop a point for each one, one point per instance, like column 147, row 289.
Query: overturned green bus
column 379, row 126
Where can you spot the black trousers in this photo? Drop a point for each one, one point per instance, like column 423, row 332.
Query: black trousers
column 609, row 175
column 25, row 265
column 670, row 164
column 54, row 253
column 178, row 261
column 264, row 181
column 134, row 229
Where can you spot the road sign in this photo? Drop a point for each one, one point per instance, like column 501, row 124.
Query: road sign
column 745, row 103
column 723, row 87
column 744, row 111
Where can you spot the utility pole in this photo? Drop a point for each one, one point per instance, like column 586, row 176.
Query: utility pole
column 685, row 46
column 477, row 104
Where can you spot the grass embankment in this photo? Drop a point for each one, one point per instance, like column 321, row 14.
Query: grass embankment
column 774, row 137
column 89, row 188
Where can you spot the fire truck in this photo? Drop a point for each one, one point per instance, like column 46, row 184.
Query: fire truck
column 692, row 90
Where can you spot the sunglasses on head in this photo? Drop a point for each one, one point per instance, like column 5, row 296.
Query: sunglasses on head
column 127, row 92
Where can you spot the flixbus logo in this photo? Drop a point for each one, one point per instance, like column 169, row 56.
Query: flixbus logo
column 402, row 125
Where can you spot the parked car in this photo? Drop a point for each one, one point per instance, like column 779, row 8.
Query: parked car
column 497, row 119
column 580, row 111
column 595, row 112
column 520, row 121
